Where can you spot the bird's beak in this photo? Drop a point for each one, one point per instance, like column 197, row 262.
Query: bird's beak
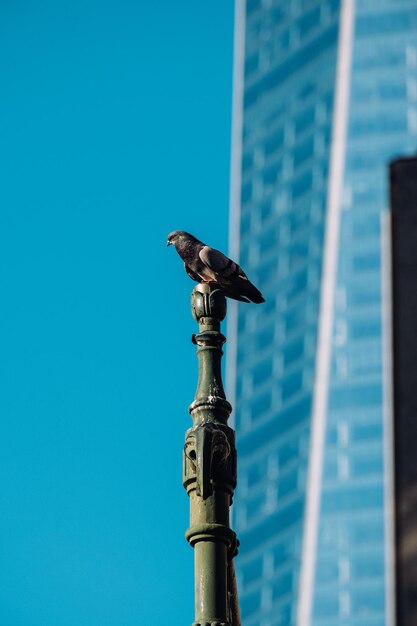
column 169, row 243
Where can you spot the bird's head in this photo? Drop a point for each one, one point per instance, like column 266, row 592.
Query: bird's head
column 178, row 238
column 172, row 237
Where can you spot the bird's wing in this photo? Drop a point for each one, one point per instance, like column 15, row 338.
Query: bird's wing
column 220, row 263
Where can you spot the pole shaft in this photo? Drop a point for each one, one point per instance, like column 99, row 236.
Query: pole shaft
column 210, row 561
column 209, row 470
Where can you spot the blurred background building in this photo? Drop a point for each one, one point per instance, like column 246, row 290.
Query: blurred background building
column 325, row 93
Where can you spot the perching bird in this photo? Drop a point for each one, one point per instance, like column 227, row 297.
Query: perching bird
column 207, row 265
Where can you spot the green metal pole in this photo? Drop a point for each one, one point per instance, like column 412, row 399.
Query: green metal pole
column 209, row 470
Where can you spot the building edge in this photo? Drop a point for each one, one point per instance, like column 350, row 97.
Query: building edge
column 234, row 192
column 326, row 313
column 388, row 416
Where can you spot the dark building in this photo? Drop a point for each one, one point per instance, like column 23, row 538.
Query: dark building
column 403, row 189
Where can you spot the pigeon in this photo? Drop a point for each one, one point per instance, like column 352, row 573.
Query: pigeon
column 207, row 265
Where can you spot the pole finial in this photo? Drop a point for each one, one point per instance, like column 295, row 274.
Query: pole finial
column 208, row 300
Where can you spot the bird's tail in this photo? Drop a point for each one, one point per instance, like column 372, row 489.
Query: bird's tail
column 244, row 291
column 254, row 294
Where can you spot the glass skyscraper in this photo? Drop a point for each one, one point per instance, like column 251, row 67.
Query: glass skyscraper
column 325, row 93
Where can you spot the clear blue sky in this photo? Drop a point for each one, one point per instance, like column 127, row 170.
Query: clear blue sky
column 115, row 130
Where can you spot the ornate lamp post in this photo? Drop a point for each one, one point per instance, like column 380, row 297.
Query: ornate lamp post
column 209, row 470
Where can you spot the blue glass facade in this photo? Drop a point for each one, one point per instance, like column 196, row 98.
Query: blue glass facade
column 291, row 56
